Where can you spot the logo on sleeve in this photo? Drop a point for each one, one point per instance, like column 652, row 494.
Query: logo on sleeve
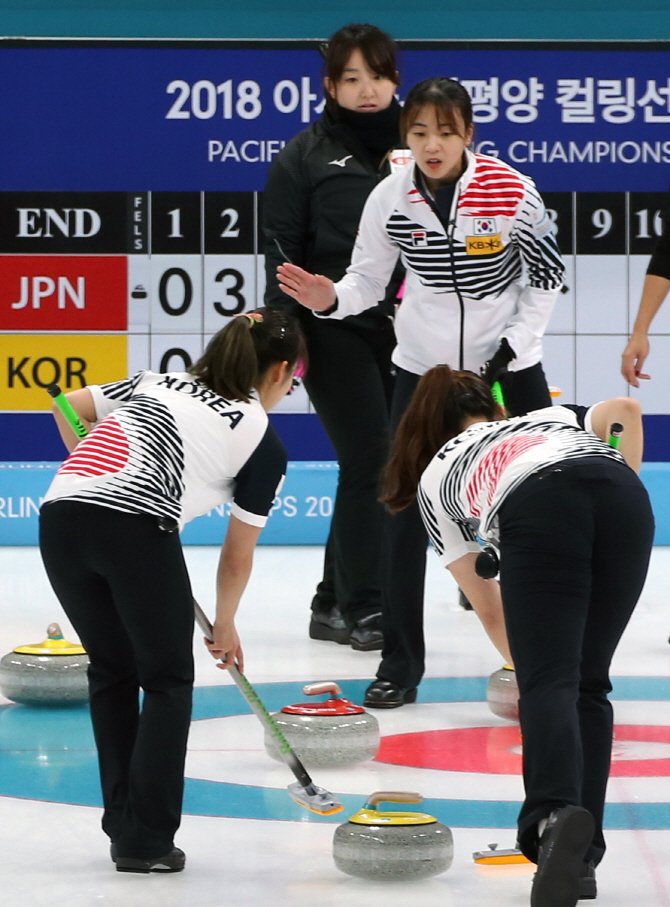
column 400, row 158
column 342, row 162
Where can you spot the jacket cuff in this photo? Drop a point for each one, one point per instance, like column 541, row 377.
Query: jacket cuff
column 329, row 311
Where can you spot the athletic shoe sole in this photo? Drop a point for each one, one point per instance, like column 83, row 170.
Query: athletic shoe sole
column 408, row 697
column 367, row 646
column 321, row 631
column 557, row 880
column 171, row 862
column 588, row 889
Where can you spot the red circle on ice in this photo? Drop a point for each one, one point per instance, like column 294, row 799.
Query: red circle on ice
column 639, row 750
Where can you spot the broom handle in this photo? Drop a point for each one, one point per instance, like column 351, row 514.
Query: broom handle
column 616, row 430
column 67, row 410
column 258, row 708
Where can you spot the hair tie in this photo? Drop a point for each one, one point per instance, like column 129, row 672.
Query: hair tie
column 253, row 317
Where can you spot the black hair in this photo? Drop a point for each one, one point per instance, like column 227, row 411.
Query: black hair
column 443, row 402
column 237, row 357
column 447, row 96
column 379, row 52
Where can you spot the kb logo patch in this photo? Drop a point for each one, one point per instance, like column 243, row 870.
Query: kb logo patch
column 483, row 245
column 484, row 226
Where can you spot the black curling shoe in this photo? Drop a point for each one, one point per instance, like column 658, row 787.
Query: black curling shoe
column 588, row 890
column 329, row 625
column 384, row 694
column 171, row 862
column 564, row 842
column 366, row 634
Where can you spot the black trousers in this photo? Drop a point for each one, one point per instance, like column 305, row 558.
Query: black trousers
column 124, row 586
column 350, row 382
column 405, row 541
column 575, row 545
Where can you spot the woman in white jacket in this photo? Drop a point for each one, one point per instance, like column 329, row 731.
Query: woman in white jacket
column 483, row 273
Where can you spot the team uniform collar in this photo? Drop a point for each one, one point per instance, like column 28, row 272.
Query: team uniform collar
column 461, row 183
column 419, row 185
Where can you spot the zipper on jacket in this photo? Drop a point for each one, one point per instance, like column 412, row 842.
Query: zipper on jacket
column 461, row 334
column 450, row 227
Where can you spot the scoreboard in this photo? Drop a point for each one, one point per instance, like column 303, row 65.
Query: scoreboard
column 96, row 285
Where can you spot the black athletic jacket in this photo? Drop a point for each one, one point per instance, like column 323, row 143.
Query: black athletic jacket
column 315, row 193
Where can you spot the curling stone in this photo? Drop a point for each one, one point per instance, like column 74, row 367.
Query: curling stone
column 502, row 693
column 328, row 733
column 388, row 846
column 52, row 672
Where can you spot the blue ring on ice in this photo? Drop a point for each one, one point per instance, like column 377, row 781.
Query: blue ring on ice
column 49, row 754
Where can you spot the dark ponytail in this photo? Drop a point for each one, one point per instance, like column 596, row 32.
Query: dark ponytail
column 442, row 402
column 241, row 353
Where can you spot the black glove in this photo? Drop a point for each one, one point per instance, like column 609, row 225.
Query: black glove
column 496, row 367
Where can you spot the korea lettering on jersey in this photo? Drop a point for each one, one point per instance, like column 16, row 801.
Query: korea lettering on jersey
column 465, row 484
column 165, row 445
column 498, row 252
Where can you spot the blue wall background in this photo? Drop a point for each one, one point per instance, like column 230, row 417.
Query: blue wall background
column 537, row 19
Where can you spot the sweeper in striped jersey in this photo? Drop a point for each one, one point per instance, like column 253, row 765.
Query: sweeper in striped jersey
column 161, row 450
column 483, row 273
column 573, row 526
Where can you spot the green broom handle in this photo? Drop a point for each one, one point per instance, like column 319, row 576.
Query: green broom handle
column 67, row 410
column 616, row 430
column 497, row 394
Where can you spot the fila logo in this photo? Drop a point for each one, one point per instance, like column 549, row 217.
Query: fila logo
column 340, row 163
column 484, row 226
column 419, row 238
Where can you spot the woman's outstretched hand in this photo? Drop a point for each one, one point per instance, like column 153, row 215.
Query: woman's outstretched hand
column 311, row 290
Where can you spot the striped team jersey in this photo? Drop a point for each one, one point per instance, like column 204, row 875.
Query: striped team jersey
column 493, row 267
column 164, row 444
column 466, row 482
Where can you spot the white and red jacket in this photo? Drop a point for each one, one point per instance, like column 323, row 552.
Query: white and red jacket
column 498, row 252
column 466, row 482
column 164, row 444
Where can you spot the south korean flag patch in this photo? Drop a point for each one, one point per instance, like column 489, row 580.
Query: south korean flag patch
column 419, row 238
column 484, row 226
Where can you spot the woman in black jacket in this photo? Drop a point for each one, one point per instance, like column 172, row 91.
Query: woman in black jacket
column 315, row 193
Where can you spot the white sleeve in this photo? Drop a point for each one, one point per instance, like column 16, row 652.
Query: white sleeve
column 103, row 405
column 535, row 236
column 108, row 397
column 588, row 417
column 450, row 540
column 373, row 259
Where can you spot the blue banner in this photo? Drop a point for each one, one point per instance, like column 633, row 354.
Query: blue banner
column 179, row 116
column 300, row 515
